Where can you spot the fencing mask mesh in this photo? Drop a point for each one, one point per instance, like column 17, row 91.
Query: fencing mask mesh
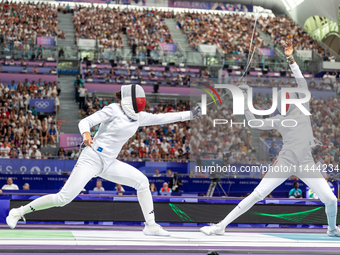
column 289, row 107
column 133, row 100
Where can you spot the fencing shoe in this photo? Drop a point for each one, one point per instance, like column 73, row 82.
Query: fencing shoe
column 214, row 229
column 14, row 216
column 155, row 230
column 333, row 233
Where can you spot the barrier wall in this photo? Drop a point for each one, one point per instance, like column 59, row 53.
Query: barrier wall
column 233, row 187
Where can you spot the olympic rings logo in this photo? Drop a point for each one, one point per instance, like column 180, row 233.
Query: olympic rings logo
column 42, row 104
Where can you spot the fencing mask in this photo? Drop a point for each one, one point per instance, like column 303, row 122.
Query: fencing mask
column 289, row 107
column 133, row 100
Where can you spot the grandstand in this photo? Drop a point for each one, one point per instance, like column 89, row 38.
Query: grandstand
column 60, row 63
column 134, row 54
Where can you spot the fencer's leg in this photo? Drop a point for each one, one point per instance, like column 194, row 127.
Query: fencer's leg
column 126, row 174
column 87, row 166
column 266, row 186
column 270, row 181
column 320, row 186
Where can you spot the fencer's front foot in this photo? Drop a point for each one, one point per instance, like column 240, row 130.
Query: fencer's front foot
column 214, row 229
column 333, row 233
column 13, row 217
column 155, row 230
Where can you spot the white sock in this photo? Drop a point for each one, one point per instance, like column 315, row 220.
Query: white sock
column 146, row 203
column 40, row 203
column 331, row 212
column 241, row 208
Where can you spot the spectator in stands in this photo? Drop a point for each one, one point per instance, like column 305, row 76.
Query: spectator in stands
column 295, row 192
column 165, row 188
column 35, row 70
column 157, row 174
column 99, row 186
column 33, row 151
column 78, row 83
column 191, row 174
column 62, row 152
column 75, row 154
column 10, row 185
column 272, row 151
column 82, row 96
column 44, row 136
column 119, row 188
column 175, row 183
column 153, row 187
column 40, row 51
column 52, row 136
column 26, row 186
column 169, row 173
column 53, row 71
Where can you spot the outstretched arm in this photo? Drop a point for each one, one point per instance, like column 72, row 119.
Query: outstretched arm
column 148, row 119
column 300, row 80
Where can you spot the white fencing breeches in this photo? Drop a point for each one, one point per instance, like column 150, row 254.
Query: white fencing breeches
column 271, row 180
column 88, row 166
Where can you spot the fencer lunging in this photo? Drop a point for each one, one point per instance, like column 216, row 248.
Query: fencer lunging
column 118, row 122
column 296, row 152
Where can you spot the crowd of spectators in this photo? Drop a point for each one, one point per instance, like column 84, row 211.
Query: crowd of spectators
column 144, row 28
column 232, row 32
column 21, row 23
column 22, row 132
column 325, row 122
column 313, row 83
column 25, row 66
column 281, row 27
column 124, row 73
column 229, row 143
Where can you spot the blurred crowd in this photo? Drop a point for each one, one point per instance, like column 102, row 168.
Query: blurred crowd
column 22, row 132
column 281, row 27
column 21, row 23
column 325, row 83
column 231, row 143
column 325, row 120
column 145, row 29
column 232, row 32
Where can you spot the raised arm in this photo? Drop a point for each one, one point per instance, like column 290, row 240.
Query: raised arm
column 148, row 119
column 300, row 80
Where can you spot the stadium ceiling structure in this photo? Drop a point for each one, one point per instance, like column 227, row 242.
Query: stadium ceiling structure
column 298, row 10
column 319, row 18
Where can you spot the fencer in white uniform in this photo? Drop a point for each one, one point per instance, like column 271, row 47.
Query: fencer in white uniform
column 295, row 159
column 117, row 124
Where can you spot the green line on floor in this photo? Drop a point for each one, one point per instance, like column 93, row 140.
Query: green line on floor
column 35, row 234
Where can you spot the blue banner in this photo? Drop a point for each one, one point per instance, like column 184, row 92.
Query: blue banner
column 58, row 166
column 36, row 166
column 42, row 105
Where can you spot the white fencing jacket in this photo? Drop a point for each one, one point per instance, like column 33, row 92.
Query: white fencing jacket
column 298, row 139
column 116, row 128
